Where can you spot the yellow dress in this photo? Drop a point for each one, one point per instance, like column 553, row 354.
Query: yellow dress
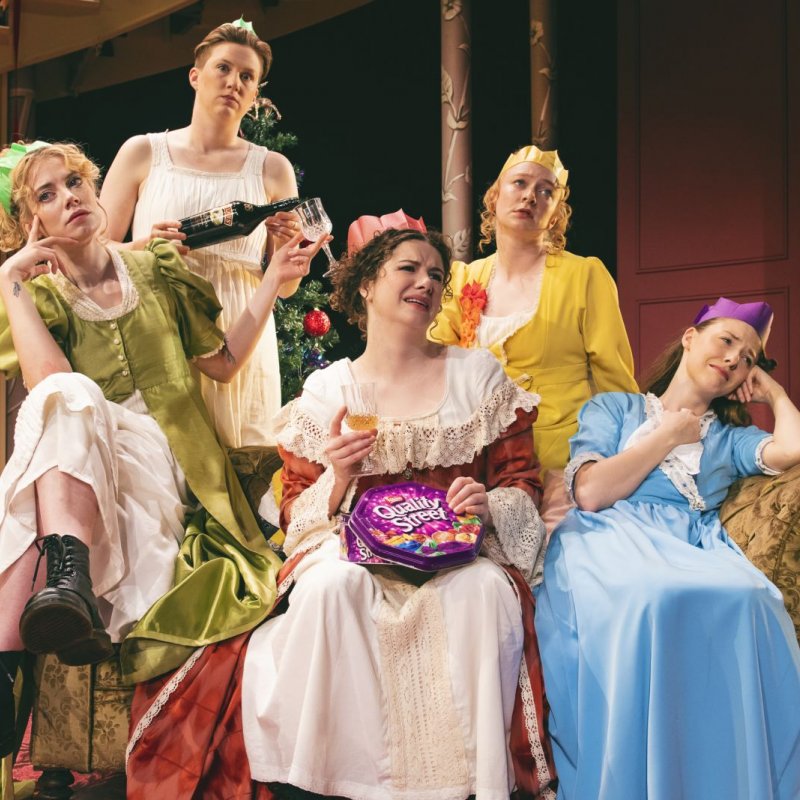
column 573, row 346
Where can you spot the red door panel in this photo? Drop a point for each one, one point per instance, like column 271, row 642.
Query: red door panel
column 708, row 167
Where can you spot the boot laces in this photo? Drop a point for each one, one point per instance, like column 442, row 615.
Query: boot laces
column 9, row 672
column 64, row 563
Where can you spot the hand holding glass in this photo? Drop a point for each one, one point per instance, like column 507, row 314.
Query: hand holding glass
column 314, row 222
column 362, row 415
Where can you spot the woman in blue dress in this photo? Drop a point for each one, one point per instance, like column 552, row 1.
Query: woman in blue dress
column 670, row 663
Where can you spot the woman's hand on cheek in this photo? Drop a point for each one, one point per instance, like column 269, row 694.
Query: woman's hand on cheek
column 467, row 496
column 757, row 387
column 346, row 450
column 37, row 257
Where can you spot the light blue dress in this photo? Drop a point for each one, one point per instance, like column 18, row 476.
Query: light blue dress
column 670, row 663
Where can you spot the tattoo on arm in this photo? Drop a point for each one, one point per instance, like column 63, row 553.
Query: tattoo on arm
column 16, row 288
column 229, row 357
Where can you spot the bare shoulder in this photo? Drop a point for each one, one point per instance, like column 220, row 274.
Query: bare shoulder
column 279, row 178
column 135, row 150
column 132, row 161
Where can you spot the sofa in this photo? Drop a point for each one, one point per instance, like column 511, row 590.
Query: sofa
column 81, row 714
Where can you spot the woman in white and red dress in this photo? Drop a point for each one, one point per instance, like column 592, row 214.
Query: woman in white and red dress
column 372, row 685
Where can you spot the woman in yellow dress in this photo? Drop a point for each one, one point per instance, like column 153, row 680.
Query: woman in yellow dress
column 551, row 318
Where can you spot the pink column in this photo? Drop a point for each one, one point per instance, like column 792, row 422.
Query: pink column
column 543, row 74
column 456, row 127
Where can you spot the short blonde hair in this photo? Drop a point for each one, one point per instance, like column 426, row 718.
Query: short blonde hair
column 14, row 225
column 556, row 236
column 228, row 32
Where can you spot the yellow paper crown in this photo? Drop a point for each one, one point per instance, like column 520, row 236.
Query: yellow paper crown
column 547, row 158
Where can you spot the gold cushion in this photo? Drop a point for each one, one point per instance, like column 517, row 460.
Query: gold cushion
column 80, row 716
column 762, row 515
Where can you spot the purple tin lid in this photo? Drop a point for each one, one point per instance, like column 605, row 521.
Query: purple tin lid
column 412, row 524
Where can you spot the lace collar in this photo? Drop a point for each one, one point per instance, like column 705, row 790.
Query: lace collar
column 682, row 463
column 487, row 405
column 86, row 308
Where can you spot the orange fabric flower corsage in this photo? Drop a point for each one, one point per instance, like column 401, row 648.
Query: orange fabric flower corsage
column 472, row 300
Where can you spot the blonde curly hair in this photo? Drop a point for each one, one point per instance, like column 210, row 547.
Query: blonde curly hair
column 14, row 226
column 556, row 235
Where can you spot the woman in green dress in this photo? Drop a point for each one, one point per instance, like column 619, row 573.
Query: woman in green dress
column 113, row 444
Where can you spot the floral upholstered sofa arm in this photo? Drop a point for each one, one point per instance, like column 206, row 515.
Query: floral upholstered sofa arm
column 762, row 515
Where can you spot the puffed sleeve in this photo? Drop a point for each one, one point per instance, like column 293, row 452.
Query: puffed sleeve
column 297, row 475
column 518, row 534
column 599, row 427
column 446, row 328
column 52, row 313
column 604, row 335
column 196, row 304
column 511, row 458
column 747, row 447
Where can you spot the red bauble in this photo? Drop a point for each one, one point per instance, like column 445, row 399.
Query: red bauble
column 316, row 323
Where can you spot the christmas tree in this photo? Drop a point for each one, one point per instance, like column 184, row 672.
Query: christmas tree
column 304, row 330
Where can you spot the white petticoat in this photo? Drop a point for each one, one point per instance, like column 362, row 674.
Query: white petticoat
column 242, row 409
column 119, row 450
column 376, row 689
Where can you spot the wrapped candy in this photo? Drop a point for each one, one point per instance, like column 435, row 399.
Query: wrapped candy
column 412, row 525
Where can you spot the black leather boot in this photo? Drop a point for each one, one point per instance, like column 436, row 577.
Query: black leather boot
column 63, row 618
column 8, row 673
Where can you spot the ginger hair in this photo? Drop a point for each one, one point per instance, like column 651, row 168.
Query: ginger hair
column 14, row 226
column 555, row 236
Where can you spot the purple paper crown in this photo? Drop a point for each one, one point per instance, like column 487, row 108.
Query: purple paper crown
column 757, row 315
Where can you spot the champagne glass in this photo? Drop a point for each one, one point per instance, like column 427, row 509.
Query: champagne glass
column 362, row 415
column 315, row 222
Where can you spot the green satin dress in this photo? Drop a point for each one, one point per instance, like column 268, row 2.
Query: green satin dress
column 225, row 574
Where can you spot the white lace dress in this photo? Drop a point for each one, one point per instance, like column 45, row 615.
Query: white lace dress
column 370, row 686
column 241, row 410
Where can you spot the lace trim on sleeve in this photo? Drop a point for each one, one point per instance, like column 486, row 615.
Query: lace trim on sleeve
column 760, row 463
column 301, row 434
column 572, row 468
column 310, row 523
column 213, row 352
column 518, row 532
column 421, row 443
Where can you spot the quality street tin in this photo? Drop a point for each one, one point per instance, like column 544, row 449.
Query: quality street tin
column 412, row 525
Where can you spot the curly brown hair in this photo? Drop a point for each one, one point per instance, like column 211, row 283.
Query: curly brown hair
column 362, row 268
column 228, row 32
column 14, row 226
column 663, row 369
column 556, row 236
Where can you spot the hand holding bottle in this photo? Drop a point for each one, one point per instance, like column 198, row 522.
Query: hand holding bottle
column 168, row 229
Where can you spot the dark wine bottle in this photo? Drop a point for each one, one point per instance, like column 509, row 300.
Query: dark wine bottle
column 237, row 218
